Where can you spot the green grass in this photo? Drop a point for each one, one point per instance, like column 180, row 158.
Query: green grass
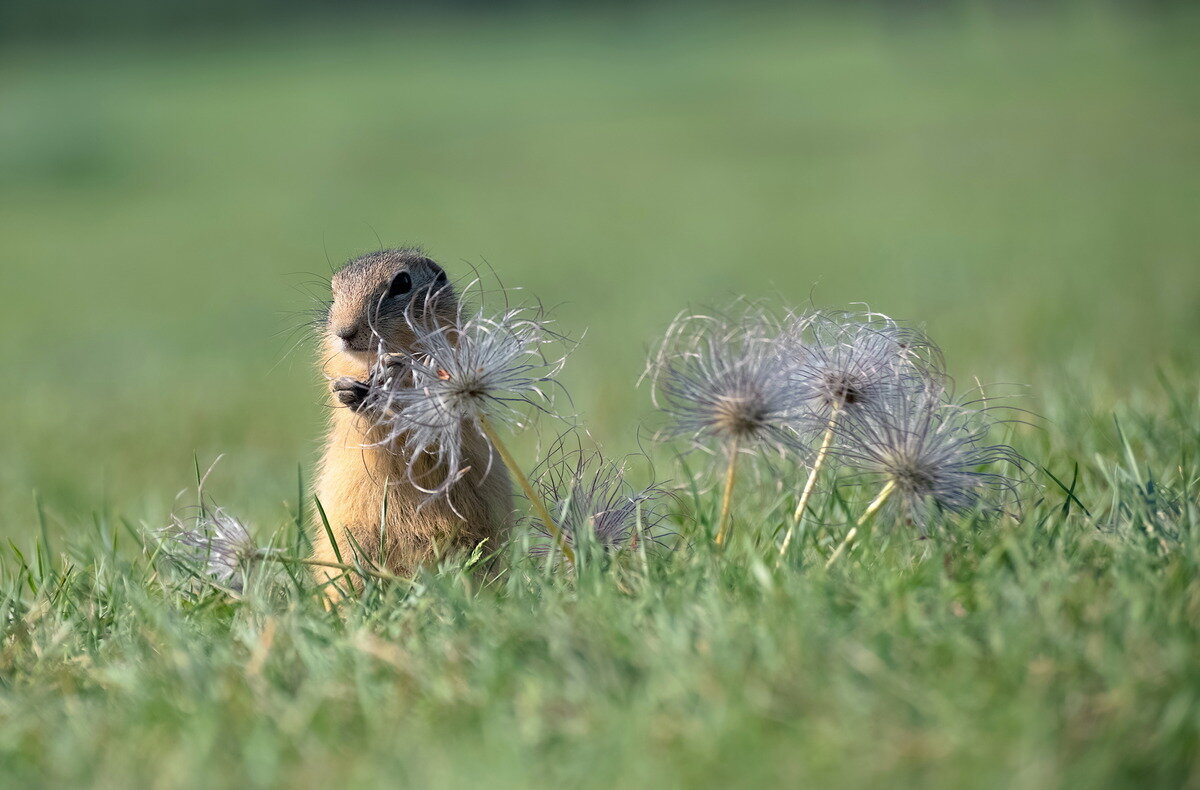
column 1023, row 185
column 1055, row 650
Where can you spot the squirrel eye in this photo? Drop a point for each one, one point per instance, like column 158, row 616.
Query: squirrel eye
column 401, row 284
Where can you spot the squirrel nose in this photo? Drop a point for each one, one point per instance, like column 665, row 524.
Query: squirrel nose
column 346, row 332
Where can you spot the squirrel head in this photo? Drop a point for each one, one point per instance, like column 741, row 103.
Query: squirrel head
column 375, row 299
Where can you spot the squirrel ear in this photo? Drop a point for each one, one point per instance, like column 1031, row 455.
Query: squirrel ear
column 437, row 274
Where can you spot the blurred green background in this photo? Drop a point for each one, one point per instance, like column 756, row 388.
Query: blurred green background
column 1024, row 182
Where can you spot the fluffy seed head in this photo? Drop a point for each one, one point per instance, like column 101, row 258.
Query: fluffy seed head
column 855, row 361
column 456, row 373
column 215, row 540
column 591, row 499
column 933, row 451
column 720, row 377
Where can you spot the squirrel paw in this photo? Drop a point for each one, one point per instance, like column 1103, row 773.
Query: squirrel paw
column 390, row 370
column 351, row 392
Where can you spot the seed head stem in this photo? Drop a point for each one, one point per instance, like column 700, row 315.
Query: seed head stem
column 876, row 503
column 810, row 483
column 727, row 498
column 538, row 505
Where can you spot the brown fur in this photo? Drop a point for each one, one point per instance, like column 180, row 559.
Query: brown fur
column 355, row 474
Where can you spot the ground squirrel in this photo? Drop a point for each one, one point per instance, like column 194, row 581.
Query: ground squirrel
column 368, row 315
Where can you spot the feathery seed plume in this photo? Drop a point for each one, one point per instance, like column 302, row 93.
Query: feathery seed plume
column 853, row 361
column 218, row 541
column 461, row 377
column 591, row 497
column 846, row 362
column 931, row 452
column 724, row 378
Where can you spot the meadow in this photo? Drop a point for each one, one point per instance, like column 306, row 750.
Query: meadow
column 1024, row 186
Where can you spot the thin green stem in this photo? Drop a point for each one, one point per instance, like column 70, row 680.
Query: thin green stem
column 538, row 505
column 876, row 503
column 360, row 570
column 810, row 483
column 727, row 498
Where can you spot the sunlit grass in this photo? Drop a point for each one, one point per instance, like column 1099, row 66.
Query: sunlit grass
column 1055, row 649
